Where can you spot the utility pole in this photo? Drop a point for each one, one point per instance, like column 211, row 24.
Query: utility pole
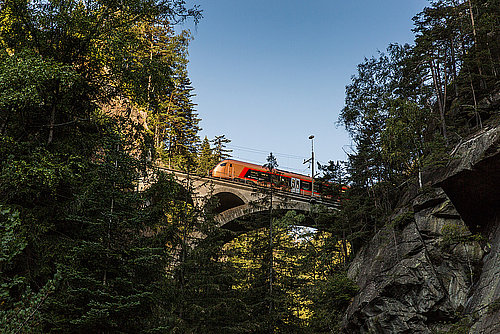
column 311, row 159
column 312, row 164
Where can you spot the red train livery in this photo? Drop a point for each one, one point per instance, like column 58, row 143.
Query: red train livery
column 247, row 172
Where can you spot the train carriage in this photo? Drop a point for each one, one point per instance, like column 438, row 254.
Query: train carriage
column 248, row 172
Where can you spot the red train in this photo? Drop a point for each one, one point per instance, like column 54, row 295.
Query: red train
column 247, row 172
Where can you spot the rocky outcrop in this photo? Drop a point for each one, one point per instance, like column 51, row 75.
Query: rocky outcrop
column 472, row 179
column 436, row 265
column 414, row 276
column 484, row 302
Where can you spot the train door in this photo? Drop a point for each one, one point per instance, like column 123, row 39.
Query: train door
column 231, row 171
column 295, row 185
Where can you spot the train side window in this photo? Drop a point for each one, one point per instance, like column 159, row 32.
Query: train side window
column 263, row 176
column 251, row 174
column 305, row 185
column 283, row 181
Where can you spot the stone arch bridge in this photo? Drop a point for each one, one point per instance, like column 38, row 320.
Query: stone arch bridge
column 237, row 199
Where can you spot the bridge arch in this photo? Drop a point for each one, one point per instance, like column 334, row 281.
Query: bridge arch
column 227, row 200
column 241, row 193
column 247, row 209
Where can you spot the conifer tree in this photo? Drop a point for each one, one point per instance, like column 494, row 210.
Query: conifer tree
column 164, row 90
column 271, row 167
column 206, row 158
column 220, row 151
column 181, row 136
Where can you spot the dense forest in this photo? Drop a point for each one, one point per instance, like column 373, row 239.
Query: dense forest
column 95, row 94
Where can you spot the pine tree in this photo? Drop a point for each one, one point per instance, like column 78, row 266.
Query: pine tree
column 181, row 137
column 206, row 158
column 271, row 167
column 220, row 151
column 162, row 88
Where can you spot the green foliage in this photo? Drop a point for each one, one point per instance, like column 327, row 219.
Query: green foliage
column 205, row 300
column 455, row 233
column 198, row 283
column 25, row 76
column 455, row 41
column 401, row 220
column 330, row 299
column 82, row 251
column 206, row 158
column 462, row 326
column 108, row 268
column 307, row 266
column 220, row 151
column 171, row 112
column 12, row 244
column 11, row 240
column 333, row 181
column 24, row 316
column 407, row 107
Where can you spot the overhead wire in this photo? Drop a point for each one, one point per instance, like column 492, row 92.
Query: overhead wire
column 253, row 150
column 238, row 148
column 288, row 168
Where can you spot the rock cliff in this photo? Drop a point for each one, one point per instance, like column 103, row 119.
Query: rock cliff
column 435, row 267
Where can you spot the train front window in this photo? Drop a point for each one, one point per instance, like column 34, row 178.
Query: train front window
column 223, row 164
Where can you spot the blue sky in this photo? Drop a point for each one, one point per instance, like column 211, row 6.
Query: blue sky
column 268, row 74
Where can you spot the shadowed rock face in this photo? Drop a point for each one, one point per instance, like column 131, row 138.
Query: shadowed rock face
column 473, row 185
column 410, row 279
column 472, row 179
column 487, row 289
column 415, row 275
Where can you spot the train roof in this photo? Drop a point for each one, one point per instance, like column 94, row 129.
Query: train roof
column 262, row 168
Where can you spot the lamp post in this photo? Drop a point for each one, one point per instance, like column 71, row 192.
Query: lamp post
column 312, row 164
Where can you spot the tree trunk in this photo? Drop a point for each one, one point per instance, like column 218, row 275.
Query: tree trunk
column 454, row 67
column 479, row 67
column 476, row 113
column 110, row 221
column 439, row 98
column 493, row 67
column 472, row 22
column 3, row 129
column 51, row 123
column 52, row 120
column 157, row 140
